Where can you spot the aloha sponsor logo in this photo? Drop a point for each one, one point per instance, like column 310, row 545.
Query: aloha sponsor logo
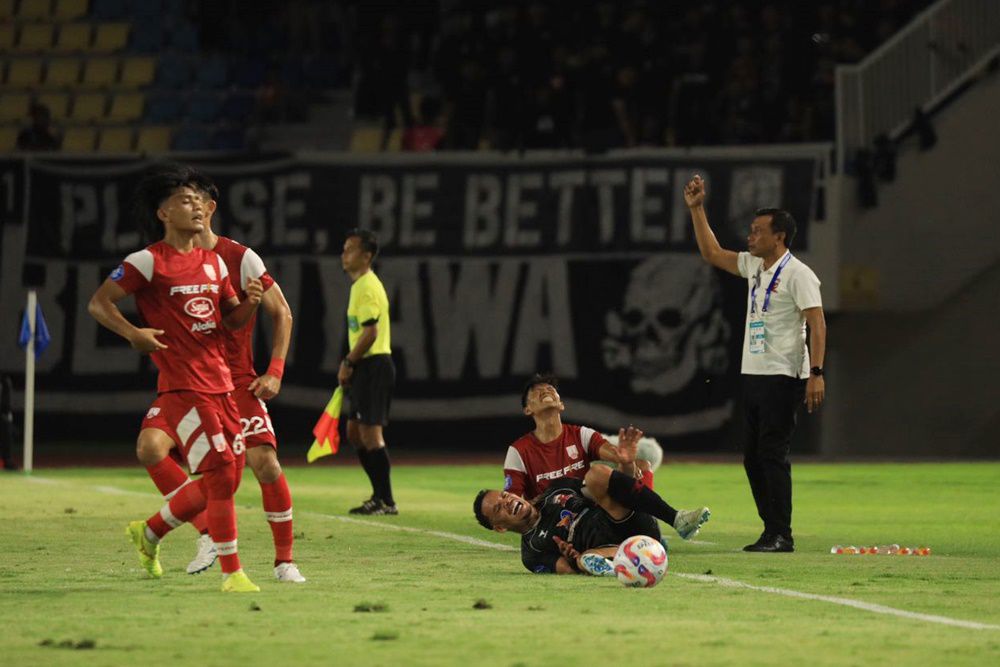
column 204, row 327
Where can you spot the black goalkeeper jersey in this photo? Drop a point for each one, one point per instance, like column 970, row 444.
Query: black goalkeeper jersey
column 567, row 514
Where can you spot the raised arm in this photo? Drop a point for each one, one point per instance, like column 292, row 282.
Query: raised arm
column 102, row 307
column 268, row 385
column 708, row 245
column 237, row 314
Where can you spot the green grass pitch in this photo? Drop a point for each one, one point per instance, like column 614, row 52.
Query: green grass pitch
column 72, row 593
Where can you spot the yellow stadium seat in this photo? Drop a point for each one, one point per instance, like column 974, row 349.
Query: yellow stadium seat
column 153, row 139
column 14, row 106
column 73, row 38
column 8, row 138
column 63, row 73
column 115, row 140
column 58, row 104
column 126, row 106
column 6, row 10
column 100, row 72
column 366, row 139
column 110, row 37
column 79, row 139
column 35, row 37
column 6, row 37
column 70, row 10
column 24, row 72
column 34, row 10
column 88, row 106
column 138, row 72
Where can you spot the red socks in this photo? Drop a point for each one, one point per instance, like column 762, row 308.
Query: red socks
column 185, row 503
column 168, row 477
column 278, row 509
column 220, row 483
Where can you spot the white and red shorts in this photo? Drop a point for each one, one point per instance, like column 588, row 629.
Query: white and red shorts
column 205, row 427
column 257, row 427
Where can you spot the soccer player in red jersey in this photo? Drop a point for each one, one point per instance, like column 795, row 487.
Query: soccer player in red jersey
column 183, row 295
column 554, row 449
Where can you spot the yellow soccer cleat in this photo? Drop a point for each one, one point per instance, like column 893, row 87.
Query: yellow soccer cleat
column 149, row 553
column 239, row 582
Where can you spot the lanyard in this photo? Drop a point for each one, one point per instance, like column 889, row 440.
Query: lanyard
column 770, row 287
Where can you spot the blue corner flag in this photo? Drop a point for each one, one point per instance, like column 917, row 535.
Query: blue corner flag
column 42, row 337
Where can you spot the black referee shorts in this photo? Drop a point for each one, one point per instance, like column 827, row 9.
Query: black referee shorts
column 370, row 391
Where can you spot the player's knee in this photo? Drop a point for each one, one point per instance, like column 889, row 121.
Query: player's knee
column 266, row 468
column 150, row 450
column 220, row 482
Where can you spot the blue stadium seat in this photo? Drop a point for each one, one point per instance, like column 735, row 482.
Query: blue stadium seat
column 191, row 138
column 204, row 107
column 147, row 36
column 110, row 10
column 184, row 38
column 228, row 139
column 173, row 72
column 212, row 73
column 163, row 108
column 238, row 107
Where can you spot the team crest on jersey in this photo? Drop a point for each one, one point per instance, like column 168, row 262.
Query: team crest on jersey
column 200, row 307
column 565, row 519
column 118, row 273
column 209, row 271
column 573, row 452
column 562, row 498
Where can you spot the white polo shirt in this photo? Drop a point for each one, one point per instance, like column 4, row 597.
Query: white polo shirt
column 779, row 334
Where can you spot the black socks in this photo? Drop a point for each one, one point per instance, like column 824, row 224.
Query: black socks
column 631, row 493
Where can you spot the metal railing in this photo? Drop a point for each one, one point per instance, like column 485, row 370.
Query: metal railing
column 917, row 68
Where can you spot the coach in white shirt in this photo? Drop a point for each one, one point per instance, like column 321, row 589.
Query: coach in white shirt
column 783, row 298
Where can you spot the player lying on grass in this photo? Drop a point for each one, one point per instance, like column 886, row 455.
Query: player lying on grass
column 554, row 450
column 575, row 526
column 184, row 297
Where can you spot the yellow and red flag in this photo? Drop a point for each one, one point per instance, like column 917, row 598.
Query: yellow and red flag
column 327, row 431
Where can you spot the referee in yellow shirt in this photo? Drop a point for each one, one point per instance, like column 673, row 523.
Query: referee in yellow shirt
column 367, row 372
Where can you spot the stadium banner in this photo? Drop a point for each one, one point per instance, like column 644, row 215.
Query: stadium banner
column 496, row 267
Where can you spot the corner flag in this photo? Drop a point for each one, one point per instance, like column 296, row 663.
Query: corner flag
column 326, row 430
column 42, row 337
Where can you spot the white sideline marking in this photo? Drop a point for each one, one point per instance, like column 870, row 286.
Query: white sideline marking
column 847, row 602
column 722, row 581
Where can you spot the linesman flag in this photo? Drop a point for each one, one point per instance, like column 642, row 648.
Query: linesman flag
column 42, row 337
column 326, row 430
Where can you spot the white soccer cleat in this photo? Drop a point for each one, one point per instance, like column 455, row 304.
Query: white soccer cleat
column 689, row 522
column 205, row 557
column 597, row 565
column 288, row 573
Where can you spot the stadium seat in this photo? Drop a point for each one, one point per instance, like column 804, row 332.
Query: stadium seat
column 126, row 107
column 163, row 108
column 14, row 106
column 8, row 138
column 204, row 108
column 57, row 103
column 190, row 139
column 79, row 139
column 138, row 72
column 6, row 10
column 35, row 38
column 6, row 37
column 115, row 140
column 100, row 72
column 153, row 139
column 63, row 73
column 110, row 37
column 73, row 38
column 184, row 38
column 112, row 10
column 24, row 73
column 366, row 139
column 173, row 72
column 212, row 74
column 88, row 107
column 70, row 10
column 147, row 35
column 34, row 10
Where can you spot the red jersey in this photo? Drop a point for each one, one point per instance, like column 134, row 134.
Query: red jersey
column 531, row 464
column 180, row 293
column 243, row 264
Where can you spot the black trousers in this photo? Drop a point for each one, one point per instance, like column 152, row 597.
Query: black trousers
column 771, row 404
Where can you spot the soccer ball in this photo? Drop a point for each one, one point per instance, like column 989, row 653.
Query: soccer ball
column 640, row 562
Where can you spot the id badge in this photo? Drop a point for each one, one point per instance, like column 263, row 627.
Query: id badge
column 758, row 337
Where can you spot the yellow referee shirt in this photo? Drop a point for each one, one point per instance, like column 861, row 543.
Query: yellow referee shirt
column 368, row 305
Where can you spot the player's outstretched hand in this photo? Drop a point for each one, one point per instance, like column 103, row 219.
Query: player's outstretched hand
column 254, row 290
column 265, row 387
column 566, row 548
column 144, row 340
column 628, row 444
column 694, row 192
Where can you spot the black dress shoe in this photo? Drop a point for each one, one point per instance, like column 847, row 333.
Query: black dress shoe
column 776, row 544
column 765, row 537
